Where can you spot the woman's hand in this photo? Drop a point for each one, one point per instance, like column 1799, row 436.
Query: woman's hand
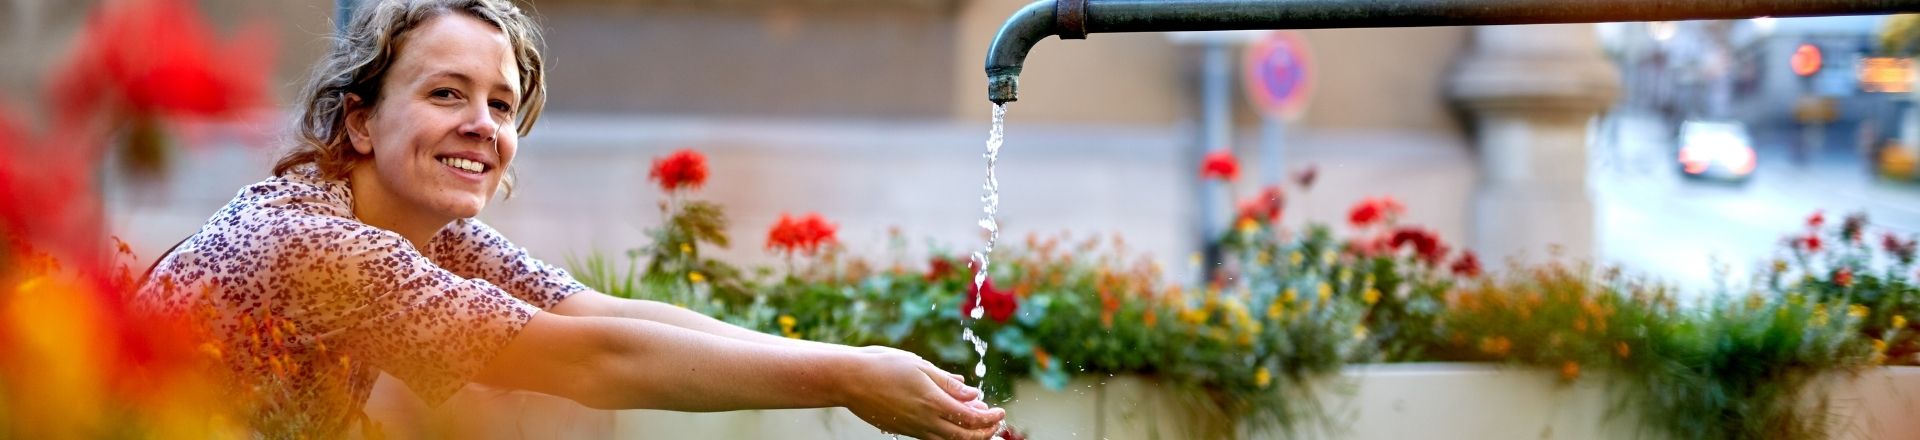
column 901, row 393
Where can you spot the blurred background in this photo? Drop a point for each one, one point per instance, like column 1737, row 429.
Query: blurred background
column 1681, row 150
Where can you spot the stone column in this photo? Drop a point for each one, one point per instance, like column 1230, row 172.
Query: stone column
column 1531, row 92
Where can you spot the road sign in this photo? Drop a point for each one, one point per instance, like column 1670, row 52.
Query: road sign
column 1277, row 77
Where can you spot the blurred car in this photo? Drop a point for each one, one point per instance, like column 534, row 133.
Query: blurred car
column 1720, row 150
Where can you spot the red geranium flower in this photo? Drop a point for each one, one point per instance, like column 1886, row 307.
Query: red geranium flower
column 804, row 236
column 1221, row 165
column 1375, row 209
column 1305, row 177
column 157, row 57
column 1811, row 242
column 938, row 268
column 1000, row 304
column 1818, row 218
column 1426, row 244
column 682, row 169
column 1843, row 277
column 1266, row 207
column 1467, row 266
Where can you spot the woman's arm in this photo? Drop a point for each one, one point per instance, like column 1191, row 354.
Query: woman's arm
column 636, row 363
column 591, row 303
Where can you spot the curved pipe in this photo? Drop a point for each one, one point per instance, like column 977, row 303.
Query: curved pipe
column 1040, row 19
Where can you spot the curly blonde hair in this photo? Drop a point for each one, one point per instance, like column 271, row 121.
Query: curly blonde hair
column 359, row 60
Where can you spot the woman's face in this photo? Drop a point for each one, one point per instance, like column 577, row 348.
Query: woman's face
column 442, row 132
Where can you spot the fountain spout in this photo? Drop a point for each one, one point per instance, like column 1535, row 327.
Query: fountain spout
column 1075, row 19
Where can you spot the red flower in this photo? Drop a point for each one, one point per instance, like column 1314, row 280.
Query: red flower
column 682, row 169
column 938, row 267
column 1305, row 177
column 1843, row 277
column 1266, row 207
column 157, row 57
column 1811, row 242
column 1375, row 209
column 804, row 236
column 1901, row 249
column 1853, row 225
column 1818, row 218
column 1426, row 244
column 1000, row 304
column 1221, row 165
column 1467, row 266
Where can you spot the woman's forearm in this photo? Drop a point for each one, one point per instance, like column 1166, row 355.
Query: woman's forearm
column 652, row 365
column 679, row 317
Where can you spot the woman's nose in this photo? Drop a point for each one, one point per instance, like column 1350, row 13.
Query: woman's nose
column 480, row 124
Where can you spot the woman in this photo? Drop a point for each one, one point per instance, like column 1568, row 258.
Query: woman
column 363, row 244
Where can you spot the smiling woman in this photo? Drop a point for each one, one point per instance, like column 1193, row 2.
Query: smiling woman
column 363, row 250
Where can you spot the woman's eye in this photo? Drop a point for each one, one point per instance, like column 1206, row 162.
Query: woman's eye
column 442, row 93
column 501, row 106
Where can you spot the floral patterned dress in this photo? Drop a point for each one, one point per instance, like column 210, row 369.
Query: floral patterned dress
column 308, row 304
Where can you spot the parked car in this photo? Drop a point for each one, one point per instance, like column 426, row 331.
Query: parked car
column 1721, row 150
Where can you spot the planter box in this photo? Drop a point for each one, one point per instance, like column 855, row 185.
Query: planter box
column 1384, row 401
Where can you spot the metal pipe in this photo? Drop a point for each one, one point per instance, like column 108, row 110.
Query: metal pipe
column 1075, row 18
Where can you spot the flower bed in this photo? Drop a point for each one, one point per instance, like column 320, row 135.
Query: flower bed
column 1254, row 347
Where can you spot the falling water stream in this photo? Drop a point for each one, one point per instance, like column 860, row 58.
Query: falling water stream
column 990, row 197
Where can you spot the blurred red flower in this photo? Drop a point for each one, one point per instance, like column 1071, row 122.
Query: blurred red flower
column 1426, row 244
column 938, row 268
column 1375, row 209
column 1220, row 165
column 682, row 169
column 1810, row 242
column 158, row 58
column 1265, row 207
column 1467, row 266
column 1843, row 277
column 1305, row 177
column 1818, row 218
column 805, row 235
column 1000, row 304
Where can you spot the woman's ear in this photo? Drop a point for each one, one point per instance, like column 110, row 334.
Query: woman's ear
column 358, row 111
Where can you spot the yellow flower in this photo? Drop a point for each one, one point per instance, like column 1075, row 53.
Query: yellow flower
column 1372, row 296
column 786, row 326
column 1193, row 316
column 1248, row 226
column 1326, row 258
column 1275, row 310
column 1262, row 377
column 1265, row 258
column 1820, row 317
column 1360, row 332
column 1899, row 322
column 1289, row 296
column 1779, row 266
column 1293, row 258
column 1879, row 346
column 1754, row 302
column 686, row 248
column 696, row 277
column 1326, row 292
column 1857, row 311
column 1194, row 259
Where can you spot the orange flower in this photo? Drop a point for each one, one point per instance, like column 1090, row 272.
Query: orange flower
column 1570, row 370
column 682, row 169
column 1220, row 165
column 1621, row 348
column 1040, row 357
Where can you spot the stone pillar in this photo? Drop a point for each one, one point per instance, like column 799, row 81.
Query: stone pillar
column 1531, row 92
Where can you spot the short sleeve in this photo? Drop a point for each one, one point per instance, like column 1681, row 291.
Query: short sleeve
column 368, row 292
column 474, row 250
